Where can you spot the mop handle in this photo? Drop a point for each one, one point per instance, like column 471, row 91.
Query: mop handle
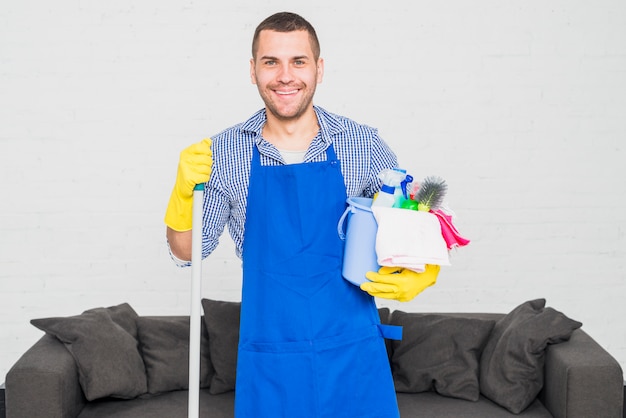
column 196, row 293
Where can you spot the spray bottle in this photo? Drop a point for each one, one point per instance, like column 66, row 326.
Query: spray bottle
column 391, row 193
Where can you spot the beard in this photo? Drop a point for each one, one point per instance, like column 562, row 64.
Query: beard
column 288, row 111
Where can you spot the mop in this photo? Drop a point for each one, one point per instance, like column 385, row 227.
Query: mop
column 196, row 293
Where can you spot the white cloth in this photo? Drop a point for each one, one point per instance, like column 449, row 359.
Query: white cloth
column 409, row 239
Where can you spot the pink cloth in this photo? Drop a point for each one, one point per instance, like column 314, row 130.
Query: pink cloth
column 450, row 234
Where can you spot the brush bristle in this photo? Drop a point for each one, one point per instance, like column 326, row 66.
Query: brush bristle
column 431, row 192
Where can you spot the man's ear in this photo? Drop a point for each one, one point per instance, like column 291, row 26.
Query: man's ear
column 252, row 74
column 320, row 70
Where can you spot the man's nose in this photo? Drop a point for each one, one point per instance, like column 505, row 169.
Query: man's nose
column 285, row 74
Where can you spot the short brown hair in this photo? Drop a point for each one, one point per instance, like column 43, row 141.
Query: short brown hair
column 286, row 22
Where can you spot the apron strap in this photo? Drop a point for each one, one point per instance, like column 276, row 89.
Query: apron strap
column 391, row 332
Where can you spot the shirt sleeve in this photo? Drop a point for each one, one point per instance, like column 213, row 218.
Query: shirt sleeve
column 216, row 212
column 381, row 157
column 177, row 261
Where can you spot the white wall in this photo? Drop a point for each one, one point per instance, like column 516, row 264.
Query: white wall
column 520, row 106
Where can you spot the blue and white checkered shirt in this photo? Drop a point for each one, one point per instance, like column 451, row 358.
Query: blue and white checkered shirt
column 363, row 154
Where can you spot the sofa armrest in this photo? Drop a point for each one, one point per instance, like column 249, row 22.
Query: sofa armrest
column 582, row 380
column 44, row 383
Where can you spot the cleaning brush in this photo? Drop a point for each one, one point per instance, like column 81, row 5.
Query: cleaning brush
column 431, row 193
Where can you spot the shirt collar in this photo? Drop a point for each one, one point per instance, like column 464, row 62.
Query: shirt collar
column 330, row 124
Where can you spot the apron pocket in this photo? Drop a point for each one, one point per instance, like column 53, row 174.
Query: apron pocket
column 275, row 384
column 359, row 379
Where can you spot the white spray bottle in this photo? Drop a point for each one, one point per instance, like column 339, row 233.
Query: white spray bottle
column 391, row 193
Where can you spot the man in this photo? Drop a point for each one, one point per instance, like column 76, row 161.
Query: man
column 310, row 343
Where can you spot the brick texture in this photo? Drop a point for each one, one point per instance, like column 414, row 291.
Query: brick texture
column 518, row 105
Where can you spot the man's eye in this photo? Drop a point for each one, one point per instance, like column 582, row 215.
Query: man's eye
column 270, row 62
column 299, row 62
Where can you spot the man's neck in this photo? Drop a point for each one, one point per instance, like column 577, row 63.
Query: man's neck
column 291, row 134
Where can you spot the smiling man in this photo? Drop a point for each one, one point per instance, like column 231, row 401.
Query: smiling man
column 286, row 69
column 310, row 344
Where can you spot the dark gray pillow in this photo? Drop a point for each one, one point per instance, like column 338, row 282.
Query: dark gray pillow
column 385, row 317
column 164, row 343
column 384, row 314
column 438, row 353
column 221, row 320
column 123, row 315
column 511, row 366
column 107, row 355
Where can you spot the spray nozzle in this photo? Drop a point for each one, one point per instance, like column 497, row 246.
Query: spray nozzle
column 395, row 184
column 403, row 185
column 392, row 177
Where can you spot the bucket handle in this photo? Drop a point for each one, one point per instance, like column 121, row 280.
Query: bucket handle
column 342, row 220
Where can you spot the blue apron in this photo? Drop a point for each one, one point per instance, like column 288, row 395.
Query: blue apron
column 310, row 344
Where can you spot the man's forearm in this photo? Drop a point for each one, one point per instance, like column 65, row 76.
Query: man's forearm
column 180, row 243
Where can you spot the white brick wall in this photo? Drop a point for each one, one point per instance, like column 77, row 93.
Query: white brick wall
column 519, row 105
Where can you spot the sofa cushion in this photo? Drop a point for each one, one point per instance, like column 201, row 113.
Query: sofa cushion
column 107, row 355
column 123, row 315
column 221, row 320
column 167, row 405
column 164, row 344
column 438, row 353
column 385, row 317
column 511, row 366
column 433, row 405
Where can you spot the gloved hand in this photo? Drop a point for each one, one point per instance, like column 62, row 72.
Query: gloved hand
column 399, row 283
column 194, row 167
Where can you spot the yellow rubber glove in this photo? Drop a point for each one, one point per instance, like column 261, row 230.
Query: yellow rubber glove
column 399, row 283
column 194, row 167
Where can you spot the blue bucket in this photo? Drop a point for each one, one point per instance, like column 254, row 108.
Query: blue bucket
column 359, row 254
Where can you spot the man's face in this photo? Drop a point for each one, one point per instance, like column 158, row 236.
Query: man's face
column 286, row 72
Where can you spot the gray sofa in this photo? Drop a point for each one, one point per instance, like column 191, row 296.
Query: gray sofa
column 447, row 365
